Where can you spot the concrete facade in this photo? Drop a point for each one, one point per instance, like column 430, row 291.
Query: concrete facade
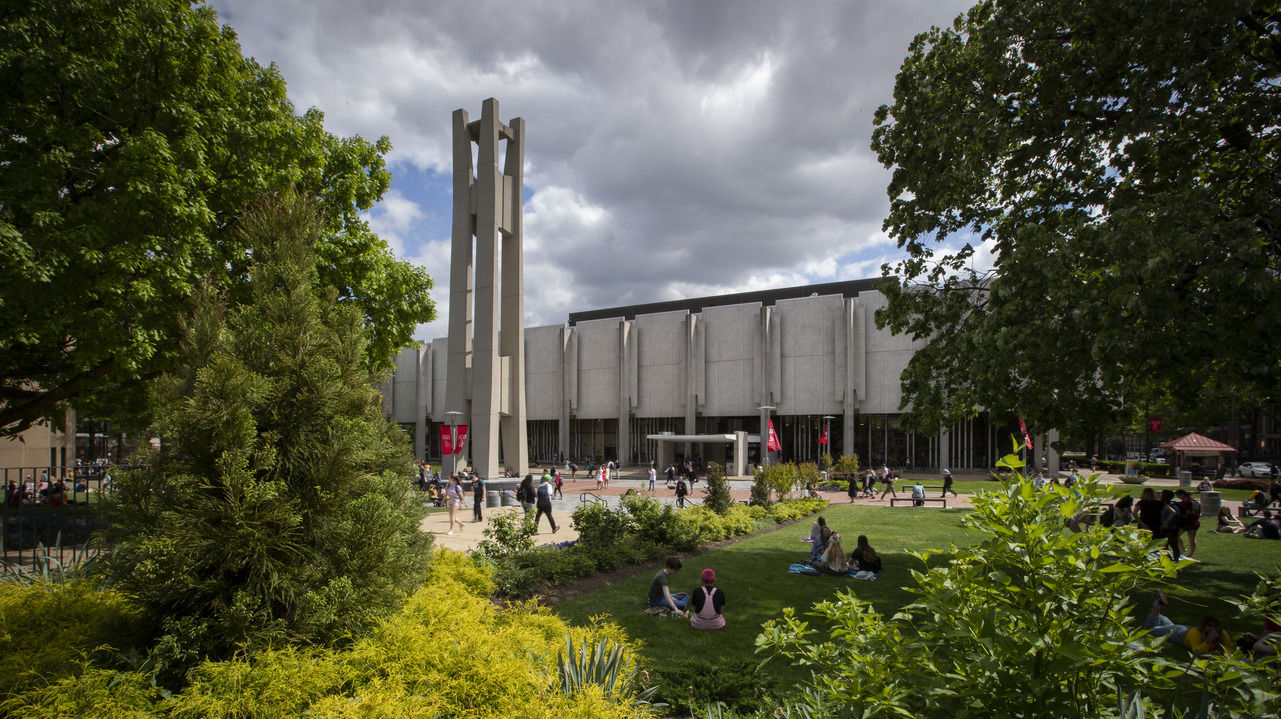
column 598, row 386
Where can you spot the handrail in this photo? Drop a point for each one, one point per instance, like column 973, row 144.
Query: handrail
column 592, row 497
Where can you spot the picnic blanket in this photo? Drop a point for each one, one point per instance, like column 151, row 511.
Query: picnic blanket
column 801, row 568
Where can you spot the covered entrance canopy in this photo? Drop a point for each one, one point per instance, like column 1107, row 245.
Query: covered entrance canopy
column 1194, row 445
column 667, row 452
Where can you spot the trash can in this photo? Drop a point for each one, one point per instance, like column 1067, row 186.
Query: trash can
column 1211, row 501
column 1185, row 480
column 509, row 498
column 491, row 499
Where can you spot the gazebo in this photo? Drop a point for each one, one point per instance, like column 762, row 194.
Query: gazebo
column 1193, row 445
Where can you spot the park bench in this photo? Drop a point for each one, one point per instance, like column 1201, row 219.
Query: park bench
column 908, row 501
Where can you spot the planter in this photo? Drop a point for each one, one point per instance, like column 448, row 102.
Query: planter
column 1134, row 479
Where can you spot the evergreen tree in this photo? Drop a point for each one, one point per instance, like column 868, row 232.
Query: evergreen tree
column 718, row 498
column 277, row 508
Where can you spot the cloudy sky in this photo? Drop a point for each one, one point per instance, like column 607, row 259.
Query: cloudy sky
column 674, row 149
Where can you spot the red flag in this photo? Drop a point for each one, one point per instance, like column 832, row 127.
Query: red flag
column 1027, row 440
column 773, row 445
column 462, row 439
column 823, row 439
column 446, row 441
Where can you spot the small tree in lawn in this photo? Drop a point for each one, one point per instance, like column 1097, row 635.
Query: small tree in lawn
column 847, row 464
column 718, row 498
column 761, row 489
column 277, row 508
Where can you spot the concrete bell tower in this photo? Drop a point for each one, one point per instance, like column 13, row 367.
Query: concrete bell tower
column 486, row 366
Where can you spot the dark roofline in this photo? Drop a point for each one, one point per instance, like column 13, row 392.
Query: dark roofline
column 849, row 288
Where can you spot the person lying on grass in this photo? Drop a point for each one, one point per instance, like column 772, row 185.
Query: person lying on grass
column 1207, row 637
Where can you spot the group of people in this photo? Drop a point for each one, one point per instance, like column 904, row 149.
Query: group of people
column 828, row 556
column 540, row 498
column 54, row 494
column 703, row 606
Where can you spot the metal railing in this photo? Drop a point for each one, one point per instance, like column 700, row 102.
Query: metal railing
column 51, row 513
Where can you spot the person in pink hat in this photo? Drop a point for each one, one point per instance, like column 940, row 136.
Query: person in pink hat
column 706, row 603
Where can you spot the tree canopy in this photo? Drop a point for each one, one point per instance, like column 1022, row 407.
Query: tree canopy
column 133, row 133
column 1119, row 159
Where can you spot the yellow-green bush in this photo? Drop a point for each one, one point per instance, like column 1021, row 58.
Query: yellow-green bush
column 92, row 693
column 47, row 630
column 796, row 508
column 449, row 651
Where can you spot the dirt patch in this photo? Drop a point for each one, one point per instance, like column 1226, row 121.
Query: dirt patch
column 595, row 582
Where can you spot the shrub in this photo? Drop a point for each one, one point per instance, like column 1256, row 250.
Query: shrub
column 738, row 686
column 598, row 525
column 762, row 492
column 652, row 520
column 796, row 508
column 998, row 628
column 508, row 533
column 847, row 464
column 718, row 499
column 48, row 629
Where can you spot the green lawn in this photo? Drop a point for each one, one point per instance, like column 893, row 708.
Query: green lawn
column 753, row 574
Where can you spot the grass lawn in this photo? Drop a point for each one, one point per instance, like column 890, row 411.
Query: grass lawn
column 753, row 574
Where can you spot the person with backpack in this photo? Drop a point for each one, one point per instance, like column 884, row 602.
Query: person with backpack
column 1190, row 519
column 545, row 504
column 707, row 602
column 525, row 494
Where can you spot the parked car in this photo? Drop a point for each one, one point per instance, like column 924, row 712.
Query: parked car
column 1255, row 469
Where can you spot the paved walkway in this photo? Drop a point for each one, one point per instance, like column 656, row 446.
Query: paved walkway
column 574, row 492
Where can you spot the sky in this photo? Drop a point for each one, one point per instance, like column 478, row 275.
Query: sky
column 673, row 149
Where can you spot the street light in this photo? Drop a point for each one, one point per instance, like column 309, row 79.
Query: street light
column 453, row 416
column 765, row 410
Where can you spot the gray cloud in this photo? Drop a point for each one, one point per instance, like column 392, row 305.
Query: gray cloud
column 673, row 147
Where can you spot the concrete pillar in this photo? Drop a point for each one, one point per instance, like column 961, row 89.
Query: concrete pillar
column 740, row 454
column 486, row 309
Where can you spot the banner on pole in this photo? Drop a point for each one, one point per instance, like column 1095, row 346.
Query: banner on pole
column 461, row 439
column 823, row 439
column 773, row 445
column 446, row 441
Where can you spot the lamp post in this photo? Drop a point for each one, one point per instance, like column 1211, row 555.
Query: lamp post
column 453, row 416
column 765, row 410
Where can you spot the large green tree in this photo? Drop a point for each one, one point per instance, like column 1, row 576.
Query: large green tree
column 132, row 135
column 1120, row 159
column 277, row 508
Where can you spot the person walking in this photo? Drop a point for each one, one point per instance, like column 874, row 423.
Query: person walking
column 545, row 505
column 888, row 481
column 454, row 499
column 947, row 483
column 557, row 483
column 681, row 491
column 477, row 498
column 525, row 494
column 653, row 475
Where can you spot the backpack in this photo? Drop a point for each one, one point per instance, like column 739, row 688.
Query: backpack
column 1191, row 515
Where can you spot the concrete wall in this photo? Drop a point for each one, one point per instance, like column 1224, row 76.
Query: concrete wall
column 660, row 352
column 598, row 368
column 544, row 372
column 732, row 340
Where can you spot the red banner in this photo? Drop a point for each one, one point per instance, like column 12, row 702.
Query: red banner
column 773, row 445
column 462, row 439
column 1154, row 424
column 823, row 439
column 446, row 441
column 1027, row 440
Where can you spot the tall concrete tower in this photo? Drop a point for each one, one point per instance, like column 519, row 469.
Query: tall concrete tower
column 486, row 369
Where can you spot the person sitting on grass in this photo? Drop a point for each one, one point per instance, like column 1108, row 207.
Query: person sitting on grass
column 706, row 603
column 1266, row 527
column 820, row 545
column 1227, row 523
column 864, row 558
column 833, row 560
column 660, row 597
column 1207, row 637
